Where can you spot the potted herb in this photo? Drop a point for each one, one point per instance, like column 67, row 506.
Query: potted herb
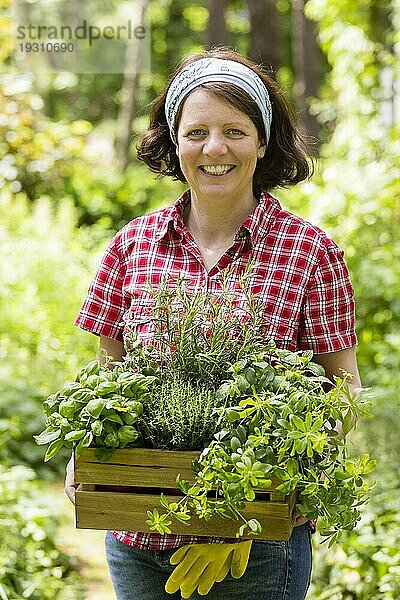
column 209, row 381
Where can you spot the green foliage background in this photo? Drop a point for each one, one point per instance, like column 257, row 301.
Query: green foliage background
column 61, row 201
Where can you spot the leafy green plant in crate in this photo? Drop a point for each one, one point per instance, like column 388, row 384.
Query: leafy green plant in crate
column 99, row 409
column 201, row 375
column 283, row 424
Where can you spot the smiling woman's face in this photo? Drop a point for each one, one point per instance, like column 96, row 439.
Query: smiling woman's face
column 218, row 147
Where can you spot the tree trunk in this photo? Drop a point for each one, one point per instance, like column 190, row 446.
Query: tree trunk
column 265, row 36
column 216, row 31
column 383, row 31
column 307, row 66
column 128, row 98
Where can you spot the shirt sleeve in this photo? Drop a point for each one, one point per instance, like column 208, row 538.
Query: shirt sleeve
column 328, row 316
column 103, row 309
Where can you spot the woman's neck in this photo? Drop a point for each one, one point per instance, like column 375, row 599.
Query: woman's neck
column 215, row 222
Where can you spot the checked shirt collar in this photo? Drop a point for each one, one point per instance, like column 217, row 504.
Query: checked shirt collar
column 257, row 224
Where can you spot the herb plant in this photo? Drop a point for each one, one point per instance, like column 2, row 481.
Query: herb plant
column 197, row 336
column 202, row 376
column 283, row 424
column 179, row 415
column 100, row 408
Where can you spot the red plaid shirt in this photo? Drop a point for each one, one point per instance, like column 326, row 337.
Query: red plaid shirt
column 300, row 274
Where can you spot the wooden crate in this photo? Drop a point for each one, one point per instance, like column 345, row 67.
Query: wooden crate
column 117, row 494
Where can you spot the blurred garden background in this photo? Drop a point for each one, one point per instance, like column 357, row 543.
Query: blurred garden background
column 69, row 179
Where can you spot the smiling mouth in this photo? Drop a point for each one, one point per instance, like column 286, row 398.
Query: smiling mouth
column 217, row 169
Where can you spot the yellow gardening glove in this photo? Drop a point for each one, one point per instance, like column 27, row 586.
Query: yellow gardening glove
column 201, row 565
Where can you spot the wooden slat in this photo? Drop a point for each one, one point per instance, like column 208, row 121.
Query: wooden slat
column 142, row 467
column 144, row 456
column 136, row 466
column 103, row 510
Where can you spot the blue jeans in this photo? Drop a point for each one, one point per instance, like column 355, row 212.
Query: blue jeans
column 276, row 571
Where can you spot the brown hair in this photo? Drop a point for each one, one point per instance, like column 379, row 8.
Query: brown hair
column 286, row 160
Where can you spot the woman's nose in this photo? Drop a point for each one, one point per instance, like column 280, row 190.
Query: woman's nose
column 215, row 144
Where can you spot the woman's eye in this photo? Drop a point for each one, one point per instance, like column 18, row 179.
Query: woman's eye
column 196, row 132
column 236, row 131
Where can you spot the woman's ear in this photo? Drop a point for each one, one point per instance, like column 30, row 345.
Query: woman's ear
column 261, row 151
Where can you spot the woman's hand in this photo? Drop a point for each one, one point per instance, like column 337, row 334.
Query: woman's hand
column 298, row 519
column 70, row 484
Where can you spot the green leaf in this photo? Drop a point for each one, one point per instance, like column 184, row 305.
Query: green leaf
column 106, row 388
column 223, row 390
column 298, row 423
column 254, row 525
column 164, row 501
column 232, row 415
column 342, row 476
column 97, row 427
column 249, row 493
column 316, row 369
column 242, row 383
column 50, row 434
column 235, row 443
column 220, row 436
column 127, row 434
column 309, row 418
column 112, row 439
column 182, row 484
column 182, row 517
column 241, row 433
column 311, row 488
column 113, row 418
column 250, row 376
column 75, row 435
column 292, row 467
column 370, row 467
column 94, row 407
column 346, row 422
column 285, row 488
column 291, row 359
column 53, row 449
column 69, row 388
column 83, row 443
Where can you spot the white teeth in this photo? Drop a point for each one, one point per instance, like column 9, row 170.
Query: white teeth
column 217, row 169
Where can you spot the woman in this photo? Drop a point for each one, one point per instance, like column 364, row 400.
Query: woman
column 223, row 126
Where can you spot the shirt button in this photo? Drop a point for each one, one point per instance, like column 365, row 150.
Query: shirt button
column 231, row 252
column 242, row 233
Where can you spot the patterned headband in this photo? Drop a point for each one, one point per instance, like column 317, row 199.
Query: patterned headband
column 216, row 69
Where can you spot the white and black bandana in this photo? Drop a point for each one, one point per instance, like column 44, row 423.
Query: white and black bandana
column 206, row 70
